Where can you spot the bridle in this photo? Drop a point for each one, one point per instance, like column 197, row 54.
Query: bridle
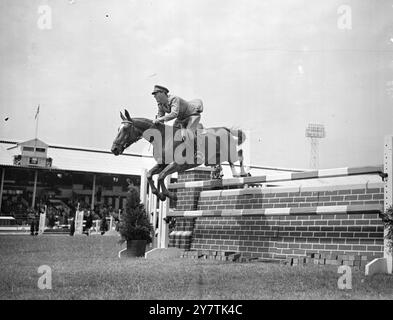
column 128, row 143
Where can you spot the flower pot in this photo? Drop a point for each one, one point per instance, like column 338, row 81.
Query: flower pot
column 135, row 248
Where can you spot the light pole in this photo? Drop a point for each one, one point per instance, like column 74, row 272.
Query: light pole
column 315, row 131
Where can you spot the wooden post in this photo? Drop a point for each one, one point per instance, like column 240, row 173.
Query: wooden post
column 93, row 193
column 143, row 188
column 149, row 207
column 78, row 221
column 111, row 223
column 41, row 227
column 384, row 265
column 154, row 208
column 34, row 189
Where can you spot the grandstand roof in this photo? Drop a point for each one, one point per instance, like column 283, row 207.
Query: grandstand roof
column 82, row 159
column 103, row 161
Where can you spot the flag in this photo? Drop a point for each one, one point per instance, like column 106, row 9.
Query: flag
column 38, row 111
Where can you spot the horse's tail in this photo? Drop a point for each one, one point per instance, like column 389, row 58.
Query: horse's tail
column 237, row 134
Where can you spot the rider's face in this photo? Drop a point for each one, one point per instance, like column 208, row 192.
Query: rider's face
column 161, row 97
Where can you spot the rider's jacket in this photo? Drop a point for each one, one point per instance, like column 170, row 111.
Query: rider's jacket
column 179, row 108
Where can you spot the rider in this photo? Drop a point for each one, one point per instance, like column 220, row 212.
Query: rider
column 186, row 113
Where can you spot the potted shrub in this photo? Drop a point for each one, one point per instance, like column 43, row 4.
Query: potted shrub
column 134, row 227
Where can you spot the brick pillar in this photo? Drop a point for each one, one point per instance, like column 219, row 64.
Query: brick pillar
column 181, row 237
column 187, row 198
column 197, row 174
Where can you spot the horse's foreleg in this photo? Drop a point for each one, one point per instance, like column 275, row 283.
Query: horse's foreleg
column 155, row 170
column 172, row 168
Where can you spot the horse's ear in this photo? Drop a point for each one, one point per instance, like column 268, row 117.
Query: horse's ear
column 122, row 117
column 127, row 115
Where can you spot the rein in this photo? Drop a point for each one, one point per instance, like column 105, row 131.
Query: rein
column 132, row 123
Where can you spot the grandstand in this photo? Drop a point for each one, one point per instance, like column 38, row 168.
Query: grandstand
column 34, row 174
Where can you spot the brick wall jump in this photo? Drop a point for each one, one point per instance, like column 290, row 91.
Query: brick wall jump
column 281, row 236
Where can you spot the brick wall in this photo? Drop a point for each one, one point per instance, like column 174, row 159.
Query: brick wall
column 280, row 236
column 198, row 174
column 188, row 199
column 268, row 198
column 277, row 237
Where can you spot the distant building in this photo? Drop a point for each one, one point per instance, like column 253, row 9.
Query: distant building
column 34, row 173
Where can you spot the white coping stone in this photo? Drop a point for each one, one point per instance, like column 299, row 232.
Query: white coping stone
column 330, row 172
column 235, row 192
column 196, row 213
column 231, row 212
column 210, row 193
column 287, row 211
column 231, row 181
column 274, row 211
column 279, row 177
column 335, row 188
column 373, row 185
column 276, row 178
column 280, row 189
column 172, row 212
column 195, row 183
column 200, row 169
column 332, row 209
column 365, row 207
column 253, row 211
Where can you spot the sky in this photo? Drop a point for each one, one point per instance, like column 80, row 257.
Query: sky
column 267, row 67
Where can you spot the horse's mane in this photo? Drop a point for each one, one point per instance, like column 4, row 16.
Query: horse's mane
column 149, row 123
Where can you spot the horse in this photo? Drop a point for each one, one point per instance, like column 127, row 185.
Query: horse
column 209, row 146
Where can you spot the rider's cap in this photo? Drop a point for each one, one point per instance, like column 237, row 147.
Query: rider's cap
column 160, row 89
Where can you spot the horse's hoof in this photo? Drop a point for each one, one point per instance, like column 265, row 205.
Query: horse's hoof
column 161, row 197
column 172, row 196
column 246, row 174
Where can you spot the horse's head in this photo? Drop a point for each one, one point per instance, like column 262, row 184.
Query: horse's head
column 127, row 134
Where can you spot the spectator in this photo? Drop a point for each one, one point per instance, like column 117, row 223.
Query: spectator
column 34, row 225
column 72, row 226
column 103, row 225
column 89, row 222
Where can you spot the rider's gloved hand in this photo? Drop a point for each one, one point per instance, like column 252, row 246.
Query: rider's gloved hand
column 157, row 120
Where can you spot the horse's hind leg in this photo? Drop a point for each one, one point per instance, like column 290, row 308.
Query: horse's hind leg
column 243, row 172
column 233, row 170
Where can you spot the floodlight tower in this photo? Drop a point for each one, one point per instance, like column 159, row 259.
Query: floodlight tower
column 315, row 132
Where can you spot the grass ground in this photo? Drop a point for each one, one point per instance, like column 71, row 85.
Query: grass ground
column 88, row 268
